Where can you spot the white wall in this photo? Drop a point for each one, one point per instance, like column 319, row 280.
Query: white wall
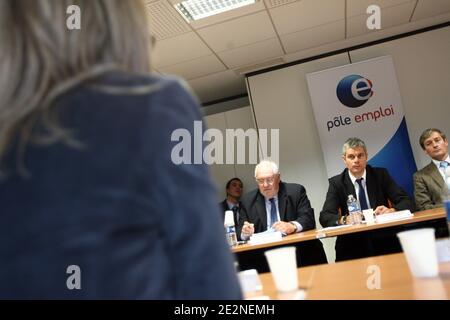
column 223, row 172
column 422, row 63
column 280, row 99
column 241, row 118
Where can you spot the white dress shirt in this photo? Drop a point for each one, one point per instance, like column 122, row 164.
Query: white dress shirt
column 438, row 165
column 356, row 184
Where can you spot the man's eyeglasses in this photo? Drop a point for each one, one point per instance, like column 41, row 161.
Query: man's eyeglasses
column 269, row 181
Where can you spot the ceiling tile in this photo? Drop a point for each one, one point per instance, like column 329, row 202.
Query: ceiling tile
column 252, row 54
column 165, row 21
column 277, row 3
column 245, row 39
column 231, row 84
column 391, row 16
column 238, row 32
column 306, row 14
column 260, row 66
column 178, row 49
column 314, row 37
column 359, row 7
column 430, row 8
column 195, row 68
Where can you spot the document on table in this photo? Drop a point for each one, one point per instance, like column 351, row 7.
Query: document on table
column 334, row 228
column 394, row 216
column 266, row 237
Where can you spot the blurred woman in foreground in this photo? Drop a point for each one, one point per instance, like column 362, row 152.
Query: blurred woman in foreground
column 92, row 205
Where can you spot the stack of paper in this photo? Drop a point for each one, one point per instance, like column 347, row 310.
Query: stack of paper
column 393, row 216
column 334, row 228
column 265, row 237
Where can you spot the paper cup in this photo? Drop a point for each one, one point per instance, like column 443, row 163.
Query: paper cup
column 368, row 216
column 229, row 218
column 283, row 266
column 419, row 247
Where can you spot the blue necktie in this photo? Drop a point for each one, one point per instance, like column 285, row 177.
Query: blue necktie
column 273, row 212
column 443, row 165
column 362, row 195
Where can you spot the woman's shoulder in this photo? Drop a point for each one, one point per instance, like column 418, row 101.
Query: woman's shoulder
column 117, row 82
column 127, row 93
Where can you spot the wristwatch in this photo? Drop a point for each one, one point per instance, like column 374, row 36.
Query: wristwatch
column 295, row 226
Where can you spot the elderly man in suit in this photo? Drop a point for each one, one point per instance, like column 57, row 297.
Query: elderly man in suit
column 374, row 188
column 282, row 207
column 429, row 181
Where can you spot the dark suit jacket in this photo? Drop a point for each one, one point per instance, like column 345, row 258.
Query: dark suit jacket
column 381, row 189
column 224, row 207
column 428, row 187
column 294, row 205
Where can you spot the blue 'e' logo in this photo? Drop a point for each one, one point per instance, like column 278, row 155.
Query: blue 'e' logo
column 353, row 91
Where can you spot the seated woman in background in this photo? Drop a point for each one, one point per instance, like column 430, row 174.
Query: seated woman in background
column 92, row 205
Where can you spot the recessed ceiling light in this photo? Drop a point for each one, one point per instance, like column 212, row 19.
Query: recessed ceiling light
column 198, row 9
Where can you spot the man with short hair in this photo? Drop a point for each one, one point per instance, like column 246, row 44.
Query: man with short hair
column 280, row 206
column 374, row 188
column 234, row 189
column 429, row 181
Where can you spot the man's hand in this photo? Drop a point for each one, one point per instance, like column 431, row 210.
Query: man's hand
column 248, row 229
column 383, row 210
column 284, row 227
column 348, row 219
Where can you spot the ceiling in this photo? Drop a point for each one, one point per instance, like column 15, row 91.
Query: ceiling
column 213, row 54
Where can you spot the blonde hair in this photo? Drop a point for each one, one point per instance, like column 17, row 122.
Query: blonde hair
column 41, row 58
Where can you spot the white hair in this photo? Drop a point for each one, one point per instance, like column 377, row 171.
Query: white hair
column 267, row 163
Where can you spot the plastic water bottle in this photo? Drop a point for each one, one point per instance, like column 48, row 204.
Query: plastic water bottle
column 230, row 232
column 230, row 229
column 354, row 210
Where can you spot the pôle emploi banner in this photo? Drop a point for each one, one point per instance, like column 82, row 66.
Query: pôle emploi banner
column 363, row 100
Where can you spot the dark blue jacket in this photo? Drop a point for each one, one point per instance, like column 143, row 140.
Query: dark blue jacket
column 137, row 225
